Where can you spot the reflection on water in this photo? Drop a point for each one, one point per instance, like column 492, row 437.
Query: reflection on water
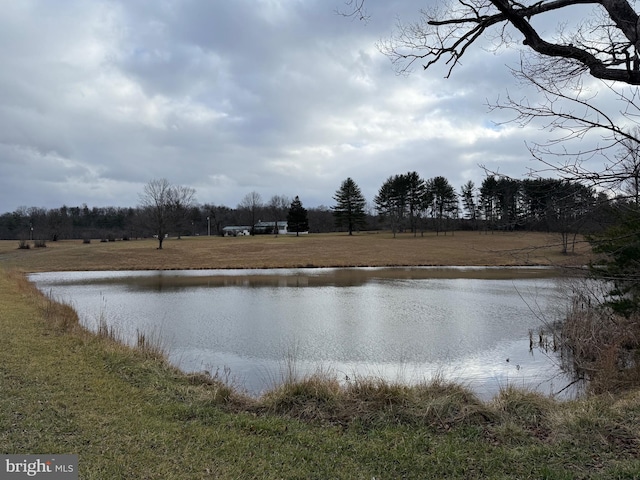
column 406, row 324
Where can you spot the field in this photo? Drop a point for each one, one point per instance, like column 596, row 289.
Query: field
column 128, row 414
column 325, row 250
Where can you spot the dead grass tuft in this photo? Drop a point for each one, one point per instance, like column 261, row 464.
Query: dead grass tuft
column 371, row 402
column 316, row 397
column 445, row 404
column 600, row 422
column 529, row 409
column 151, row 345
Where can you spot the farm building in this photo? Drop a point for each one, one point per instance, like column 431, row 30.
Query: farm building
column 235, row 230
column 270, row 227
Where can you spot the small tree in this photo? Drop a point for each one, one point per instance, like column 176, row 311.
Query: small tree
column 297, row 218
column 166, row 205
column 156, row 201
column 277, row 206
column 252, row 202
column 181, row 200
column 349, row 209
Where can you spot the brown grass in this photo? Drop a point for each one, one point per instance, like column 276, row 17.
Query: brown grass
column 601, row 345
column 371, row 401
column 322, row 250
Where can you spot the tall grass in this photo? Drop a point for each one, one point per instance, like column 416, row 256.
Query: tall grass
column 151, row 344
column 372, row 402
column 599, row 344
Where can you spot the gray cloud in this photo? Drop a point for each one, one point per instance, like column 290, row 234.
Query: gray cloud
column 281, row 97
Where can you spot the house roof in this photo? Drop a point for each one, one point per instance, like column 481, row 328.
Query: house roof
column 281, row 223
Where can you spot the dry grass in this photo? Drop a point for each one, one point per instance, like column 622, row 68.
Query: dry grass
column 323, row 250
column 368, row 402
column 602, row 345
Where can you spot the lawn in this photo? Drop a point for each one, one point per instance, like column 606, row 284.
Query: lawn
column 324, row 250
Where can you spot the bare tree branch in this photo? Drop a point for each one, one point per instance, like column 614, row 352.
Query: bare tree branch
column 607, row 50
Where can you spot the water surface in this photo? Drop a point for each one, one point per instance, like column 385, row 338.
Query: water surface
column 404, row 324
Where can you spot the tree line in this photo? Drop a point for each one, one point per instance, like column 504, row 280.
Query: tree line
column 407, row 202
column 404, row 203
column 116, row 223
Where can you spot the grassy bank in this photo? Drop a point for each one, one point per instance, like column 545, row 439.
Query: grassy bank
column 128, row 414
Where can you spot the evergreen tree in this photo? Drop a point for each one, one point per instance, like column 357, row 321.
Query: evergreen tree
column 390, row 202
column 349, row 209
column 468, row 194
column 297, row 218
column 489, row 201
column 442, row 200
column 416, row 193
column 620, row 267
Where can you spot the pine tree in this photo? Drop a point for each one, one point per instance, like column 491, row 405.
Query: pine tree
column 620, row 266
column 349, row 209
column 443, row 201
column 390, row 201
column 297, row 218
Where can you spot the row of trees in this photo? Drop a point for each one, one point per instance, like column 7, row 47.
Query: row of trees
column 404, row 202
column 174, row 218
column 407, row 202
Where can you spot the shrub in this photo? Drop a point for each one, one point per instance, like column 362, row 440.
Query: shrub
column 600, row 344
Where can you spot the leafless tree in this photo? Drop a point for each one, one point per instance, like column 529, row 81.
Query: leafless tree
column 278, row 206
column 593, row 39
column 181, row 199
column 252, row 203
column 628, row 166
column 604, row 43
column 155, row 199
column 165, row 204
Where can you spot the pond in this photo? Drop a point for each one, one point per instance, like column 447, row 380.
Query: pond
column 256, row 327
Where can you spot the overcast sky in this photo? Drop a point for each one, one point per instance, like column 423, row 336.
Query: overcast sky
column 228, row 97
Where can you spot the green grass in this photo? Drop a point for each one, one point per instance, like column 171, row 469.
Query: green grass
column 128, row 414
